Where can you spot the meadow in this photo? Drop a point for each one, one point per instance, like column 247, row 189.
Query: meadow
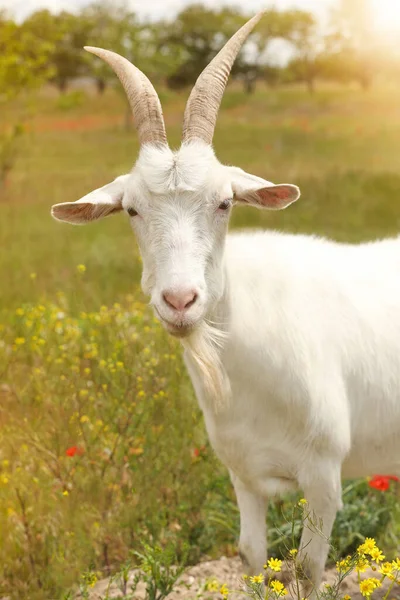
column 102, row 445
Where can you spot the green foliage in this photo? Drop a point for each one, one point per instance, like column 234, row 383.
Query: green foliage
column 24, row 59
column 9, row 148
column 70, row 100
column 161, row 569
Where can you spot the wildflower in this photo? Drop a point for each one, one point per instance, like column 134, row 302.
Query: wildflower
column 377, row 555
column 362, row 564
column 278, row 587
column 83, row 393
column 84, row 419
column 80, row 268
column 386, row 568
column 396, row 563
column 74, row 450
column 4, row 479
column 302, row 501
column 346, row 597
column 65, row 493
column 382, row 482
column 343, row 565
column 212, row 586
column 275, row 564
column 293, row 552
column 366, row 547
column 368, row 586
column 257, row 578
column 224, row 590
column 19, row 312
column 19, row 341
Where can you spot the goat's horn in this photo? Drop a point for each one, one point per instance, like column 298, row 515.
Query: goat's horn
column 204, row 101
column 142, row 96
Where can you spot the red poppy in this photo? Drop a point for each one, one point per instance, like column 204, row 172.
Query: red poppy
column 382, row 482
column 74, row 450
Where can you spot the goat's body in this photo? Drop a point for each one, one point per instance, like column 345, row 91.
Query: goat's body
column 313, row 359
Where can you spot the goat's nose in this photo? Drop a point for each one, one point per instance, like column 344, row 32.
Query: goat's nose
column 181, row 300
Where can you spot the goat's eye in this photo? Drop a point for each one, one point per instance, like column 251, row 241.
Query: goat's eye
column 132, row 212
column 225, row 204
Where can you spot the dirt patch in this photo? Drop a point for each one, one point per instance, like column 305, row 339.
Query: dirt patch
column 194, row 583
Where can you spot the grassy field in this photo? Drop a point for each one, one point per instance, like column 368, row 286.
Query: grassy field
column 101, row 442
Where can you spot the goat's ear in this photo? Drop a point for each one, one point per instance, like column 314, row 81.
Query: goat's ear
column 100, row 203
column 249, row 189
column 274, row 197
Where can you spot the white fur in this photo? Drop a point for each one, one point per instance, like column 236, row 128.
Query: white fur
column 309, row 363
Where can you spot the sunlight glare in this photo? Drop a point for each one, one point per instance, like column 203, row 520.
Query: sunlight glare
column 386, row 14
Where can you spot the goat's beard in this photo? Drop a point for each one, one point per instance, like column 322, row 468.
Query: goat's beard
column 204, row 346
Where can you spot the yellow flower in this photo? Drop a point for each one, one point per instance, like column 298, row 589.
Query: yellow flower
column 368, row 545
column 368, row 586
column 83, row 393
column 80, row 268
column 302, row 501
column 19, row 312
column 343, row 565
column 346, row 597
column 293, row 552
column 275, row 564
column 4, row 479
column 19, row 341
column 278, row 587
column 257, row 578
column 84, row 419
column 386, row 568
column 224, row 590
column 65, row 493
column 396, row 563
column 212, row 586
column 362, row 564
column 377, row 555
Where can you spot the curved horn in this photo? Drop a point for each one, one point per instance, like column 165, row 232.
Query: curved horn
column 142, row 96
column 204, row 101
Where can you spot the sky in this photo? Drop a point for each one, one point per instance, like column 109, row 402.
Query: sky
column 159, row 8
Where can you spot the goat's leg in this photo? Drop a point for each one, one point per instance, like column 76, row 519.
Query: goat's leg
column 321, row 486
column 253, row 531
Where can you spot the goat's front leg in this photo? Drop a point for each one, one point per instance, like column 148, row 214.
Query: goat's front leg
column 321, row 485
column 253, row 530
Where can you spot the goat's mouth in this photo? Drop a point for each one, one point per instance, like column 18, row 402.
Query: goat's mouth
column 179, row 330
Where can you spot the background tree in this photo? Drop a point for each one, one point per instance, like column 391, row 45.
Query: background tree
column 303, row 33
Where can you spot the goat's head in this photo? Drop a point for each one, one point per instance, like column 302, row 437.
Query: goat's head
column 179, row 202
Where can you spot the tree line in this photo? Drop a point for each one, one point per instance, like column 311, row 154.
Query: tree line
column 48, row 47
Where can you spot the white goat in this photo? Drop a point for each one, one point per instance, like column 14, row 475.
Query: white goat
column 300, row 336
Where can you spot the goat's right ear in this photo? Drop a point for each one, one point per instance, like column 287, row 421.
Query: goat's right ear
column 100, row 203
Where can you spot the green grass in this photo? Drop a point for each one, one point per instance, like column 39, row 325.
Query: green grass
column 109, row 380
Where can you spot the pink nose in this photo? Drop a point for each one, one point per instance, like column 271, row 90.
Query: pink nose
column 180, row 300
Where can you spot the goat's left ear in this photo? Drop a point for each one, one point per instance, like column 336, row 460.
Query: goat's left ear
column 100, row 203
column 272, row 197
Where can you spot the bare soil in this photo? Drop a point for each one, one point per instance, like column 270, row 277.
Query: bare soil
column 193, row 583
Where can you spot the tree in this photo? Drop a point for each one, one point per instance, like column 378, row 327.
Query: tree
column 23, row 67
column 68, row 34
column 24, row 59
column 112, row 26
column 355, row 50
column 194, row 38
column 303, row 33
